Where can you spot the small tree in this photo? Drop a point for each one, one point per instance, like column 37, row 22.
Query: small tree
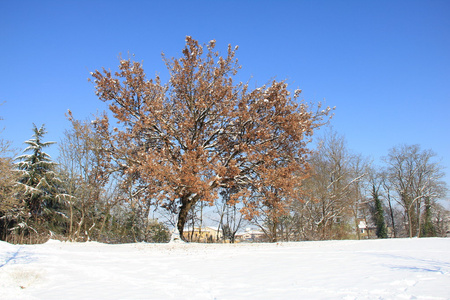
column 381, row 230
column 11, row 209
column 157, row 233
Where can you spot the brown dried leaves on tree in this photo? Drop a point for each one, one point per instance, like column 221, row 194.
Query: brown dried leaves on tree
column 201, row 131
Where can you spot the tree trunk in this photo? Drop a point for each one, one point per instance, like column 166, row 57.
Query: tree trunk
column 418, row 219
column 391, row 214
column 71, row 221
column 186, row 203
column 105, row 218
column 358, row 234
column 274, row 231
column 410, row 223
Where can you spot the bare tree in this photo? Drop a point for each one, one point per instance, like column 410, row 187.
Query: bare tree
column 332, row 194
column 415, row 177
column 91, row 188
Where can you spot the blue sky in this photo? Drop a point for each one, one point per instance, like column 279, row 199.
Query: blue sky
column 385, row 65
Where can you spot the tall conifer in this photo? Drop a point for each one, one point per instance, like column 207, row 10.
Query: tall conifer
column 379, row 215
column 37, row 178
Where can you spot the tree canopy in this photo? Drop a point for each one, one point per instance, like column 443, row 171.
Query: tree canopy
column 182, row 141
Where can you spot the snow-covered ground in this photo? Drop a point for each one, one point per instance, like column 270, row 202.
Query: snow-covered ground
column 373, row 269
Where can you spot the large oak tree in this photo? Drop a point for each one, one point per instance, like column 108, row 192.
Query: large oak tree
column 185, row 140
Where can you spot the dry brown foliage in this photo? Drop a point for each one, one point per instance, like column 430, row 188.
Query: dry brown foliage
column 201, row 131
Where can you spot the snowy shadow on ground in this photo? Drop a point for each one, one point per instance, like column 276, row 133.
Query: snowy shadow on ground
column 430, row 269
column 15, row 257
column 415, row 264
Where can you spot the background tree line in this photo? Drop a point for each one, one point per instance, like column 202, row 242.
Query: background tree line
column 203, row 144
column 81, row 198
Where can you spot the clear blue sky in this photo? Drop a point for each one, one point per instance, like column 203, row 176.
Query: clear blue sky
column 385, row 65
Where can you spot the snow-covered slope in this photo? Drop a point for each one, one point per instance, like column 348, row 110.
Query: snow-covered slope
column 374, row 269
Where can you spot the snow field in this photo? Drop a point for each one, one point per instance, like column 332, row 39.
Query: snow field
column 371, row 269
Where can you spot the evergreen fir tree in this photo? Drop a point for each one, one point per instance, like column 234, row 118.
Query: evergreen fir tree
column 379, row 215
column 428, row 229
column 39, row 182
